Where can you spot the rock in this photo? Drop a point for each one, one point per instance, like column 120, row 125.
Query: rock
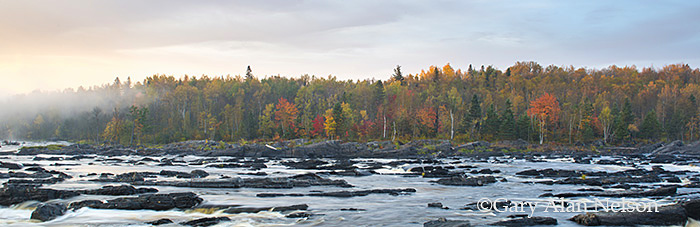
column 11, row 165
column 472, row 145
column 437, row 205
column 549, row 173
column 14, row 194
column 48, row 211
column 443, row 222
column 344, row 193
column 305, row 164
column 351, row 209
column 663, row 191
column 206, row 221
column 487, row 205
column 432, row 171
column 670, row 148
column 666, row 215
column 162, row 221
column 527, row 221
column 298, row 215
column 119, row 190
column 692, row 208
column 464, row 181
column 198, row 173
column 144, row 202
column 237, row 210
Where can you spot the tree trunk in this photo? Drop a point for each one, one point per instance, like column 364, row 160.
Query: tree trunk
column 452, row 125
column 541, row 132
column 384, row 130
column 133, row 128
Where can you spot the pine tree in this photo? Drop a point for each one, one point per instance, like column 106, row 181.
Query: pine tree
column 650, row 127
column 398, row 76
column 626, row 118
column 507, row 130
column 470, row 122
column 492, row 124
column 523, row 127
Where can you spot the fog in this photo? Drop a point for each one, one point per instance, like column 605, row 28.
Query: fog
column 20, row 110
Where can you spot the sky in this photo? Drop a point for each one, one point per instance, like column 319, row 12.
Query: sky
column 53, row 45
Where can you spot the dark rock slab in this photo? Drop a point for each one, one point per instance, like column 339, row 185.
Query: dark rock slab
column 118, row 190
column 11, row 165
column 527, row 221
column 237, row 210
column 205, row 221
column 666, row 215
column 14, row 194
column 443, row 222
column 298, row 215
column 162, row 221
column 437, row 205
column 344, row 193
column 467, row 181
column 663, row 191
column 144, row 202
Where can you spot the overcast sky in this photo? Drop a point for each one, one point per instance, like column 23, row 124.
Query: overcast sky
column 51, row 45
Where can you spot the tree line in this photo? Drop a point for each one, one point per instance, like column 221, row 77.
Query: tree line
column 566, row 105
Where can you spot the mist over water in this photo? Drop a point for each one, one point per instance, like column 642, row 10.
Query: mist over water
column 39, row 109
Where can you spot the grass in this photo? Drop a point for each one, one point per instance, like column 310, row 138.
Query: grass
column 52, row 147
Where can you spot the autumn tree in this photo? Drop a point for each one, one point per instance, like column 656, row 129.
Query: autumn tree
column 267, row 127
column 545, row 110
column 318, row 125
column 286, row 114
column 606, row 120
column 331, row 126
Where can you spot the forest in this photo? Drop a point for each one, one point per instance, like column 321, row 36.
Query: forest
column 552, row 104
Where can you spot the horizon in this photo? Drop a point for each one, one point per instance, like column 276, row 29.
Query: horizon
column 91, row 43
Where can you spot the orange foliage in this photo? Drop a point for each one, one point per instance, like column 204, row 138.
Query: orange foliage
column 286, row 112
column 545, row 108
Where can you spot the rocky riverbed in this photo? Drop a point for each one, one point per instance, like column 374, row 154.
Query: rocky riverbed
column 331, row 183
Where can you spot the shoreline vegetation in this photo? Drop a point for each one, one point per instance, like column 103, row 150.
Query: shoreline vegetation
column 304, row 148
column 618, row 106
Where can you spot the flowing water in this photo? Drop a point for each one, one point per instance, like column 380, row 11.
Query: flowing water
column 373, row 210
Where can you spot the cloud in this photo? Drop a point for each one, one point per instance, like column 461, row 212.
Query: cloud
column 82, row 42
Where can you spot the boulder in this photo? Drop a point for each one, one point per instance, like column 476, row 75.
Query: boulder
column 692, row 208
column 437, row 205
column 48, row 211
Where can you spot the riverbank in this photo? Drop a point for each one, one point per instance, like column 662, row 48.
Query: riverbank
column 302, row 148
